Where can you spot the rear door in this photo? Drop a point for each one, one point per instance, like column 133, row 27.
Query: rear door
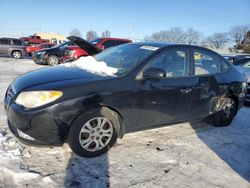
column 160, row 101
column 209, row 85
column 4, row 45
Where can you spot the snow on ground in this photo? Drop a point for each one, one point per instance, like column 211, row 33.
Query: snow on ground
column 181, row 155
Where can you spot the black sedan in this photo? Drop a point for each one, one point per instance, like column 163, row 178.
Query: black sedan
column 123, row 89
column 51, row 56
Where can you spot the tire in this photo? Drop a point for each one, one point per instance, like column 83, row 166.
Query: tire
column 53, row 60
column 224, row 117
column 16, row 54
column 87, row 130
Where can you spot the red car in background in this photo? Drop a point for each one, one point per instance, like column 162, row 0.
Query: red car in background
column 34, row 40
column 31, row 49
column 104, row 43
column 74, row 52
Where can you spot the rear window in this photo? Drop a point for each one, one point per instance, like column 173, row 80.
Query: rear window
column 109, row 43
column 17, row 42
column 118, row 42
column 96, row 41
column 206, row 63
column 5, row 41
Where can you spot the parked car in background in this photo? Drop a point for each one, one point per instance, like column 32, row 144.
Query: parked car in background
column 104, row 43
column 34, row 40
column 12, row 46
column 91, row 102
column 33, row 48
column 51, row 56
column 72, row 53
column 230, row 58
column 244, row 66
column 233, row 58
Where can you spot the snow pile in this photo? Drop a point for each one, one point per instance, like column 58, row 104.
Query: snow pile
column 90, row 64
column 8, row 148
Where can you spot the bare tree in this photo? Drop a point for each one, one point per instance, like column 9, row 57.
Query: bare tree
column 176, row 34
column 106, row 34
column 238, row 32
column 75, row 32
column 192, row 36
column 91, row 35
column 217, row 40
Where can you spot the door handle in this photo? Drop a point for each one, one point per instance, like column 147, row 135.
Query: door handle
column 188, row 90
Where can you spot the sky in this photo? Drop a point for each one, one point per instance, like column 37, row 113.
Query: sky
column 124, row 18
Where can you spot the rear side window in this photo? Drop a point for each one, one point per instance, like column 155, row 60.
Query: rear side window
column 174, row 62
column 108, row 43
column 118, row 42
column 17, row 42
column 4, row 41
column 206, row 63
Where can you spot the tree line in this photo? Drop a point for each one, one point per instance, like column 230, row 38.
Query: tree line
column 90, row 35
column 235, row 36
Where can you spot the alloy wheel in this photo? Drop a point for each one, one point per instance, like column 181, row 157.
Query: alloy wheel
column 16, row 54
column 96, row 134
column 53, row 60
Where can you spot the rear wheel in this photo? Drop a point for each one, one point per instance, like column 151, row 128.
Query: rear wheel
column 225, row 116
column 93, row 133
column 52, row 60
column 16, row 54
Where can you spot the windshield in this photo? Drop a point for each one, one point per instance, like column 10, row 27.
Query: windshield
column 125, row 57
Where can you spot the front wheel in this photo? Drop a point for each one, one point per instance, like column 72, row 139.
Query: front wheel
column 224, row 117
column 16, row 54
column 93, row 134
column 52, row 60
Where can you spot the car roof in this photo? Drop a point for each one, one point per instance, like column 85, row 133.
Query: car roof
column 11, row 38
column 101, row 38
column 165, row 44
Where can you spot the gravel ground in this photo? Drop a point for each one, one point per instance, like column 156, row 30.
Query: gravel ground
column 180, row 155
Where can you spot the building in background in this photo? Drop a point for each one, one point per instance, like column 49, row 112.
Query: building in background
column 54, row 38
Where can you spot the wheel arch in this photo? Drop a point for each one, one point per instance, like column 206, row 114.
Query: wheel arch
column 100, row 107
column 15, row 50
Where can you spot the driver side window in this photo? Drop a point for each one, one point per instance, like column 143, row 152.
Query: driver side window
column 173, row 62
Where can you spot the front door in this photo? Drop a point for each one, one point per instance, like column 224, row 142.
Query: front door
column 160, row 101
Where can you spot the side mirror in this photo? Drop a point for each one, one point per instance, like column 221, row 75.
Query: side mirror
column 154, row 73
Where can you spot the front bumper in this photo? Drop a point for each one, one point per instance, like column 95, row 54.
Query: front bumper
column 39, row 59
column 41, row 126
column 45, row 126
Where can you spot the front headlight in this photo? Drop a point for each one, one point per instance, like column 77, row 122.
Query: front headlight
column 32, row 99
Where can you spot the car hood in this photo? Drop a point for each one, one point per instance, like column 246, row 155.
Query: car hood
column 85, row 45
column 54, row 74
